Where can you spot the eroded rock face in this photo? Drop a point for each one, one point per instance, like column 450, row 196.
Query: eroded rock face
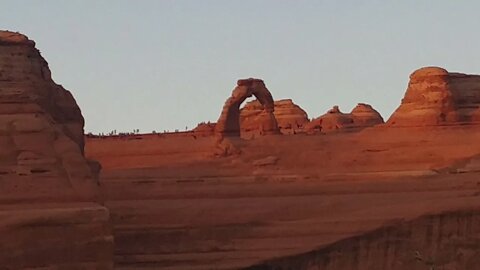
column 407, row 245
column 229, row 122
column 41, row 126
column 436, row 97
column 362, row 116
column 290, row 117
column 50, row 191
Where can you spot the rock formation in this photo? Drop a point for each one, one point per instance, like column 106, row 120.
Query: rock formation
column 436, row 97
column 290, row 117
column 363, row 115
column 41, row 126
column 229, row 122
column 43, row 169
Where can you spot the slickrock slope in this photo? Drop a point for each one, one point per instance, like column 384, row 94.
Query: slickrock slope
column 437, row 97
column 190, row 211
column 362, row 116
column 290, row 117
column 442, row 241
column 50, row 215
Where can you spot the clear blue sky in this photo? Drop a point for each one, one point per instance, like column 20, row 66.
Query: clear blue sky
column 156, row 65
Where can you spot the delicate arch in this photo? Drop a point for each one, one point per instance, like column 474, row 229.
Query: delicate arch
column 229, row 122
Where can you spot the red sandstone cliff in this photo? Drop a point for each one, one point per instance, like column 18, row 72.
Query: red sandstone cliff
column 50, row 192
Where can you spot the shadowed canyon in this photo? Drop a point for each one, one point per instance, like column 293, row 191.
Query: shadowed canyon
column 264, row 187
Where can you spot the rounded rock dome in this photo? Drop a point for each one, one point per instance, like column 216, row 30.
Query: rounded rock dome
column 429, row 71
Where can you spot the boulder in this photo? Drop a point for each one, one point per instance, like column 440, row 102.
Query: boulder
column 267, row 161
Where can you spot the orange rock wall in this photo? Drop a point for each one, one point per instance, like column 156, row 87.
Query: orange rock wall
column 436, row 97
column 50, row 211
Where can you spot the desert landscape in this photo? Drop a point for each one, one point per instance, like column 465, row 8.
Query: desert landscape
column 264, row 187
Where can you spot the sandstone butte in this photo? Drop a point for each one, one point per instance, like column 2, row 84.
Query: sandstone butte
column 50, row 211
column 394, row 196
column 437, row 97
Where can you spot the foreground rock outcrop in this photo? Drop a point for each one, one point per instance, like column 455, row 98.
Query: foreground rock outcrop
column 290, row 117
column 437, row 97
column 50, row 208
column 41, row 128
column 363, row 115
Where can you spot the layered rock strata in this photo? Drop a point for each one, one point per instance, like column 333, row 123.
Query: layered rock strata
column 229, row 122
column 442, row 241
column 362, row 116
column 437, row 97
column 290, row 117
column 51, row 216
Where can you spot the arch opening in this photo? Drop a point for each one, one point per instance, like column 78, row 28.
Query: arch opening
column 229, row 122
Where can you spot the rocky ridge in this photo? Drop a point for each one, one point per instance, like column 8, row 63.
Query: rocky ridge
column 362, row 116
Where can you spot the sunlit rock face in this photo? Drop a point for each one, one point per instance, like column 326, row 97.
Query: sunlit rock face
column 362, row 116
column 50, row 191
column 289, row 116
column 228, row 123
column 437, row 97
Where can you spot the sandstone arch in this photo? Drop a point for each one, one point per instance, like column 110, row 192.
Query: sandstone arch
column 229, row 122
